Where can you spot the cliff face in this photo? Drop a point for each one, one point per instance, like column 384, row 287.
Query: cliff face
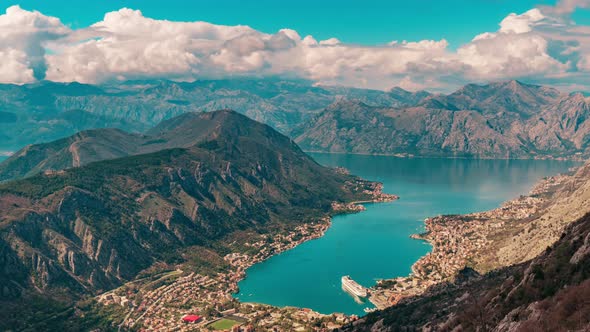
column 500, row 120
column 548, row 293
column 91, row 228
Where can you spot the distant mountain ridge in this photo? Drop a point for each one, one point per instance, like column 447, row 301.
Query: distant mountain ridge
column 498, row 120
column 184, row 131
column 46, row 111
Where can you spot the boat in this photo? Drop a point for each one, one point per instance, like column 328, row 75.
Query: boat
column 369, row 310
column 352, row 287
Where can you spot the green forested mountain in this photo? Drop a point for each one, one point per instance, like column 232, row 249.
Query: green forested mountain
column 76, row 232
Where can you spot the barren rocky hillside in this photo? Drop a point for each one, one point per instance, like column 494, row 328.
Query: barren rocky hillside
column 499, row 120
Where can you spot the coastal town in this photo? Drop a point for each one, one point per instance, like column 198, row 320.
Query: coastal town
column 179, row 301
column 459, row 242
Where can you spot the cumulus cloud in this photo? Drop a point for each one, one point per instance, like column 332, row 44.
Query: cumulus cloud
column 521, row 23
column 515, row 50
column 23, row 35
column 540, row 43
column 126, row 45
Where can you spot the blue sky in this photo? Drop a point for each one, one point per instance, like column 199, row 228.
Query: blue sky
column 364, row 22
column 440, row 44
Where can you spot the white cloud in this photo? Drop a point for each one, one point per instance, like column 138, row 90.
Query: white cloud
column 540, row 43
column 22, row 38
column 521, row 23
column 14, row 67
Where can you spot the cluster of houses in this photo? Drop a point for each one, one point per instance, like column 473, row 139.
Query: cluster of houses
column 189, row 302
column 456, row 239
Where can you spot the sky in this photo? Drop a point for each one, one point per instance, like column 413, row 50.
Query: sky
column 364, row 22
column 420, row 44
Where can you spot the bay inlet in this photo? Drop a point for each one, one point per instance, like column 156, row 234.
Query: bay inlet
column 376, row 243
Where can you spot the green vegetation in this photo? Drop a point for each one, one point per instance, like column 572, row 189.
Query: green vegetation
column 148, row 213
column 223, row 324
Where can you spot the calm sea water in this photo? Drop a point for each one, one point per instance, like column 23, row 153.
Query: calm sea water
column 375, row 244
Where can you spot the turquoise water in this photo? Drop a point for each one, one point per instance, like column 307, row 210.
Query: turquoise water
column 375, row 244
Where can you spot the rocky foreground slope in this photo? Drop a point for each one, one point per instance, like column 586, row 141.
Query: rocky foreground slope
column 83, row 230
column 524, row 266
column 548, row 293
column 498, row 120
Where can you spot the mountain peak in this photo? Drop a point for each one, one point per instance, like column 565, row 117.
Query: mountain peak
column 397, row 89
column 185, row 131
column 514, row 84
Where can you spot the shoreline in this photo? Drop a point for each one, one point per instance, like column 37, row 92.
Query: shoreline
column 461, row 243
column 222, row 287
column 152, row 308
column 421, row 156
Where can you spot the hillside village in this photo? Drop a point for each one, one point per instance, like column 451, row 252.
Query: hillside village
column 210, row 297
column 184, row 301
column 463, row 241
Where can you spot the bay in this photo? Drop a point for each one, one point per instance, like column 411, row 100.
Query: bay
column 375, row 244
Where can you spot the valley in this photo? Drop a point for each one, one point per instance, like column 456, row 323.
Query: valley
column 249, row 166
column 209, row 202
column 67, row 234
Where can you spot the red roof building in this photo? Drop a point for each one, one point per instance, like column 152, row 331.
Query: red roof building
column 191, row 318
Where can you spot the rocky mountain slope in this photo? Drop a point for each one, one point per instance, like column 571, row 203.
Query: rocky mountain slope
column 85, row 147
column 524, row 266
column 548, row 293
column 46, row 111
column 212, row 177
column 499, row 120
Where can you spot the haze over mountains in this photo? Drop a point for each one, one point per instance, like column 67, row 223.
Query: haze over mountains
column 499, row 120
column 42, row 112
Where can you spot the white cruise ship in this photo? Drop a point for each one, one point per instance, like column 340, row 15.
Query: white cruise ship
column 353, row 287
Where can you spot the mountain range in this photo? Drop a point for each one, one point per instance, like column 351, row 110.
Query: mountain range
column 176, row 183
column 188, row 191
column 46, row 111
column 498, row 120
